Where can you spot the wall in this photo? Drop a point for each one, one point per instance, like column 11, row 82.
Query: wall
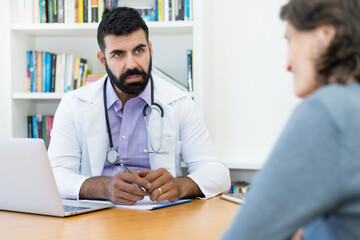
column 248, row 93
column 5, row 84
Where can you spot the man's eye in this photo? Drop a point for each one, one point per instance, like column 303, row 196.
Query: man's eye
column 117, row 55
column 138, row 51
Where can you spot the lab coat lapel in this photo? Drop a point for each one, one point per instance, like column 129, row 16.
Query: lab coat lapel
column 96, row 133
column 165, row 160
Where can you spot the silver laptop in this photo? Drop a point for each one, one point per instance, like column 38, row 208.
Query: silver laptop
column 27, row 183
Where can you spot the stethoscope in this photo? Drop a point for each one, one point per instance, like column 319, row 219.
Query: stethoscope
column 112, row 155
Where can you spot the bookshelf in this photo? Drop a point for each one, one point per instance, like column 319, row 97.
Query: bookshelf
column 170, row 41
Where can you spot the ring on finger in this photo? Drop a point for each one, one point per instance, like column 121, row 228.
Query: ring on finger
column 160, row 191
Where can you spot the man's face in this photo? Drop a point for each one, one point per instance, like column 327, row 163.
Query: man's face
column 128, row 61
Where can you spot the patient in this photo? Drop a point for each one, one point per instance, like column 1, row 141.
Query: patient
column 311, row 180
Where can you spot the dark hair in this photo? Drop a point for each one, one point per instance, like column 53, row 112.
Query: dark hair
column 120, row 21
column 341, row 60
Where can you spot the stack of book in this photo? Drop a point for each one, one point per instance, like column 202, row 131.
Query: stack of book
column 87, row 11
column 39, row 126
column 173, row 10
column 63, row 11
column 239, row 187
column 49, row 72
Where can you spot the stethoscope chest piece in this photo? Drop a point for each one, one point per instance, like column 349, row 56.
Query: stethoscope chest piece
column 112, row 156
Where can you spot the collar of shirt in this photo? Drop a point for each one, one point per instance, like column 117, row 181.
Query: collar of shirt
column 111, row 96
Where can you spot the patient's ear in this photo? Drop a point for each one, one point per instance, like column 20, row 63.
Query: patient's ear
column 326, row 34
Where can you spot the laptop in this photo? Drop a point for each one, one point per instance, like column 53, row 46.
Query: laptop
column 27, row 183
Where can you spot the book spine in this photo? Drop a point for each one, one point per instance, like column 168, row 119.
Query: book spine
column 189, row 71
column 187, row 10
column 100, row 9
column 60, row 10
column 85, row 9
column 50, row 10
column 43, row 11
column 156, row 10
column 94, row 11
column 55, row 15
column 48, row 72
column 108, row 4
column 39, row 70
column 53, row 72
column 44, row 72
column 34, row 83
column 28, row 67
column 80, row 8
column 160, row 6
column 34, row 127
column 39, row 125
column 29, row 126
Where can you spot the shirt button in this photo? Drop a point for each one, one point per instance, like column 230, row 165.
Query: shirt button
column 121, row 161
column 118, row 102
column 123, row 136
column 119, row 168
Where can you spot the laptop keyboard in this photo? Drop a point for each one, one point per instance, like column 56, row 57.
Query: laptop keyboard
column 69, row 208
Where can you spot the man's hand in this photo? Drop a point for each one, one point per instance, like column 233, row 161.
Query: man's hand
column 120, row 189
column 165, row 187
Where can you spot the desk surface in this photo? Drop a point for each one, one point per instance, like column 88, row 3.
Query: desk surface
column 199, row 219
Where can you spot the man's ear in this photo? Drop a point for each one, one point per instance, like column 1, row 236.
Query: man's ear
column 101, row 57
column 150, row 48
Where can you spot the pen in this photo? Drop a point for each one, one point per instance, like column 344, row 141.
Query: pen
column 128, row 171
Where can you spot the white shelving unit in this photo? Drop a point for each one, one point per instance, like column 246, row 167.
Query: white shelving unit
column 170, row 41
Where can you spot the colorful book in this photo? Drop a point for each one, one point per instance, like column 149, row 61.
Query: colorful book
column 34, row 127
column 28, row 71
column 80, row 11
column 43, row 70
column 39, row 71
column 48, row 65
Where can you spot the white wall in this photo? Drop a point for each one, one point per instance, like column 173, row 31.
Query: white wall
column 5, row 84
column 248, row 93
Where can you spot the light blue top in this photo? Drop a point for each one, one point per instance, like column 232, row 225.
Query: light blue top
column 312, row 177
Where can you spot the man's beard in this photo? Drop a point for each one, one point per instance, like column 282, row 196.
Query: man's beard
column 133, row 88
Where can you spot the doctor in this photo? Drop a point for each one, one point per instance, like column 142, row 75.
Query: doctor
column 117, row 122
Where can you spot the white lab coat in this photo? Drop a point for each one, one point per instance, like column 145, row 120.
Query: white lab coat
column 79, row 140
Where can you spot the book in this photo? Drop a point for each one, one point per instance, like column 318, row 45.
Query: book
column 239, row 198
column 39, row 71
column 29, row 126
column 239, row 187
column 53, row 72
column 85, row 11
column 28, row 70
column 94, row 11
column 100, row 9
column 48, row 72
column 60, row 11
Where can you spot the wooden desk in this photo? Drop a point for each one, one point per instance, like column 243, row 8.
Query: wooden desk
column 199, row 219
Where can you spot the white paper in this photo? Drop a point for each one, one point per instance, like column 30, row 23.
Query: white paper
column 145, row 204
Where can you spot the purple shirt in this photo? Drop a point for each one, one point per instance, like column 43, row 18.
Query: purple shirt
column 128, row 130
